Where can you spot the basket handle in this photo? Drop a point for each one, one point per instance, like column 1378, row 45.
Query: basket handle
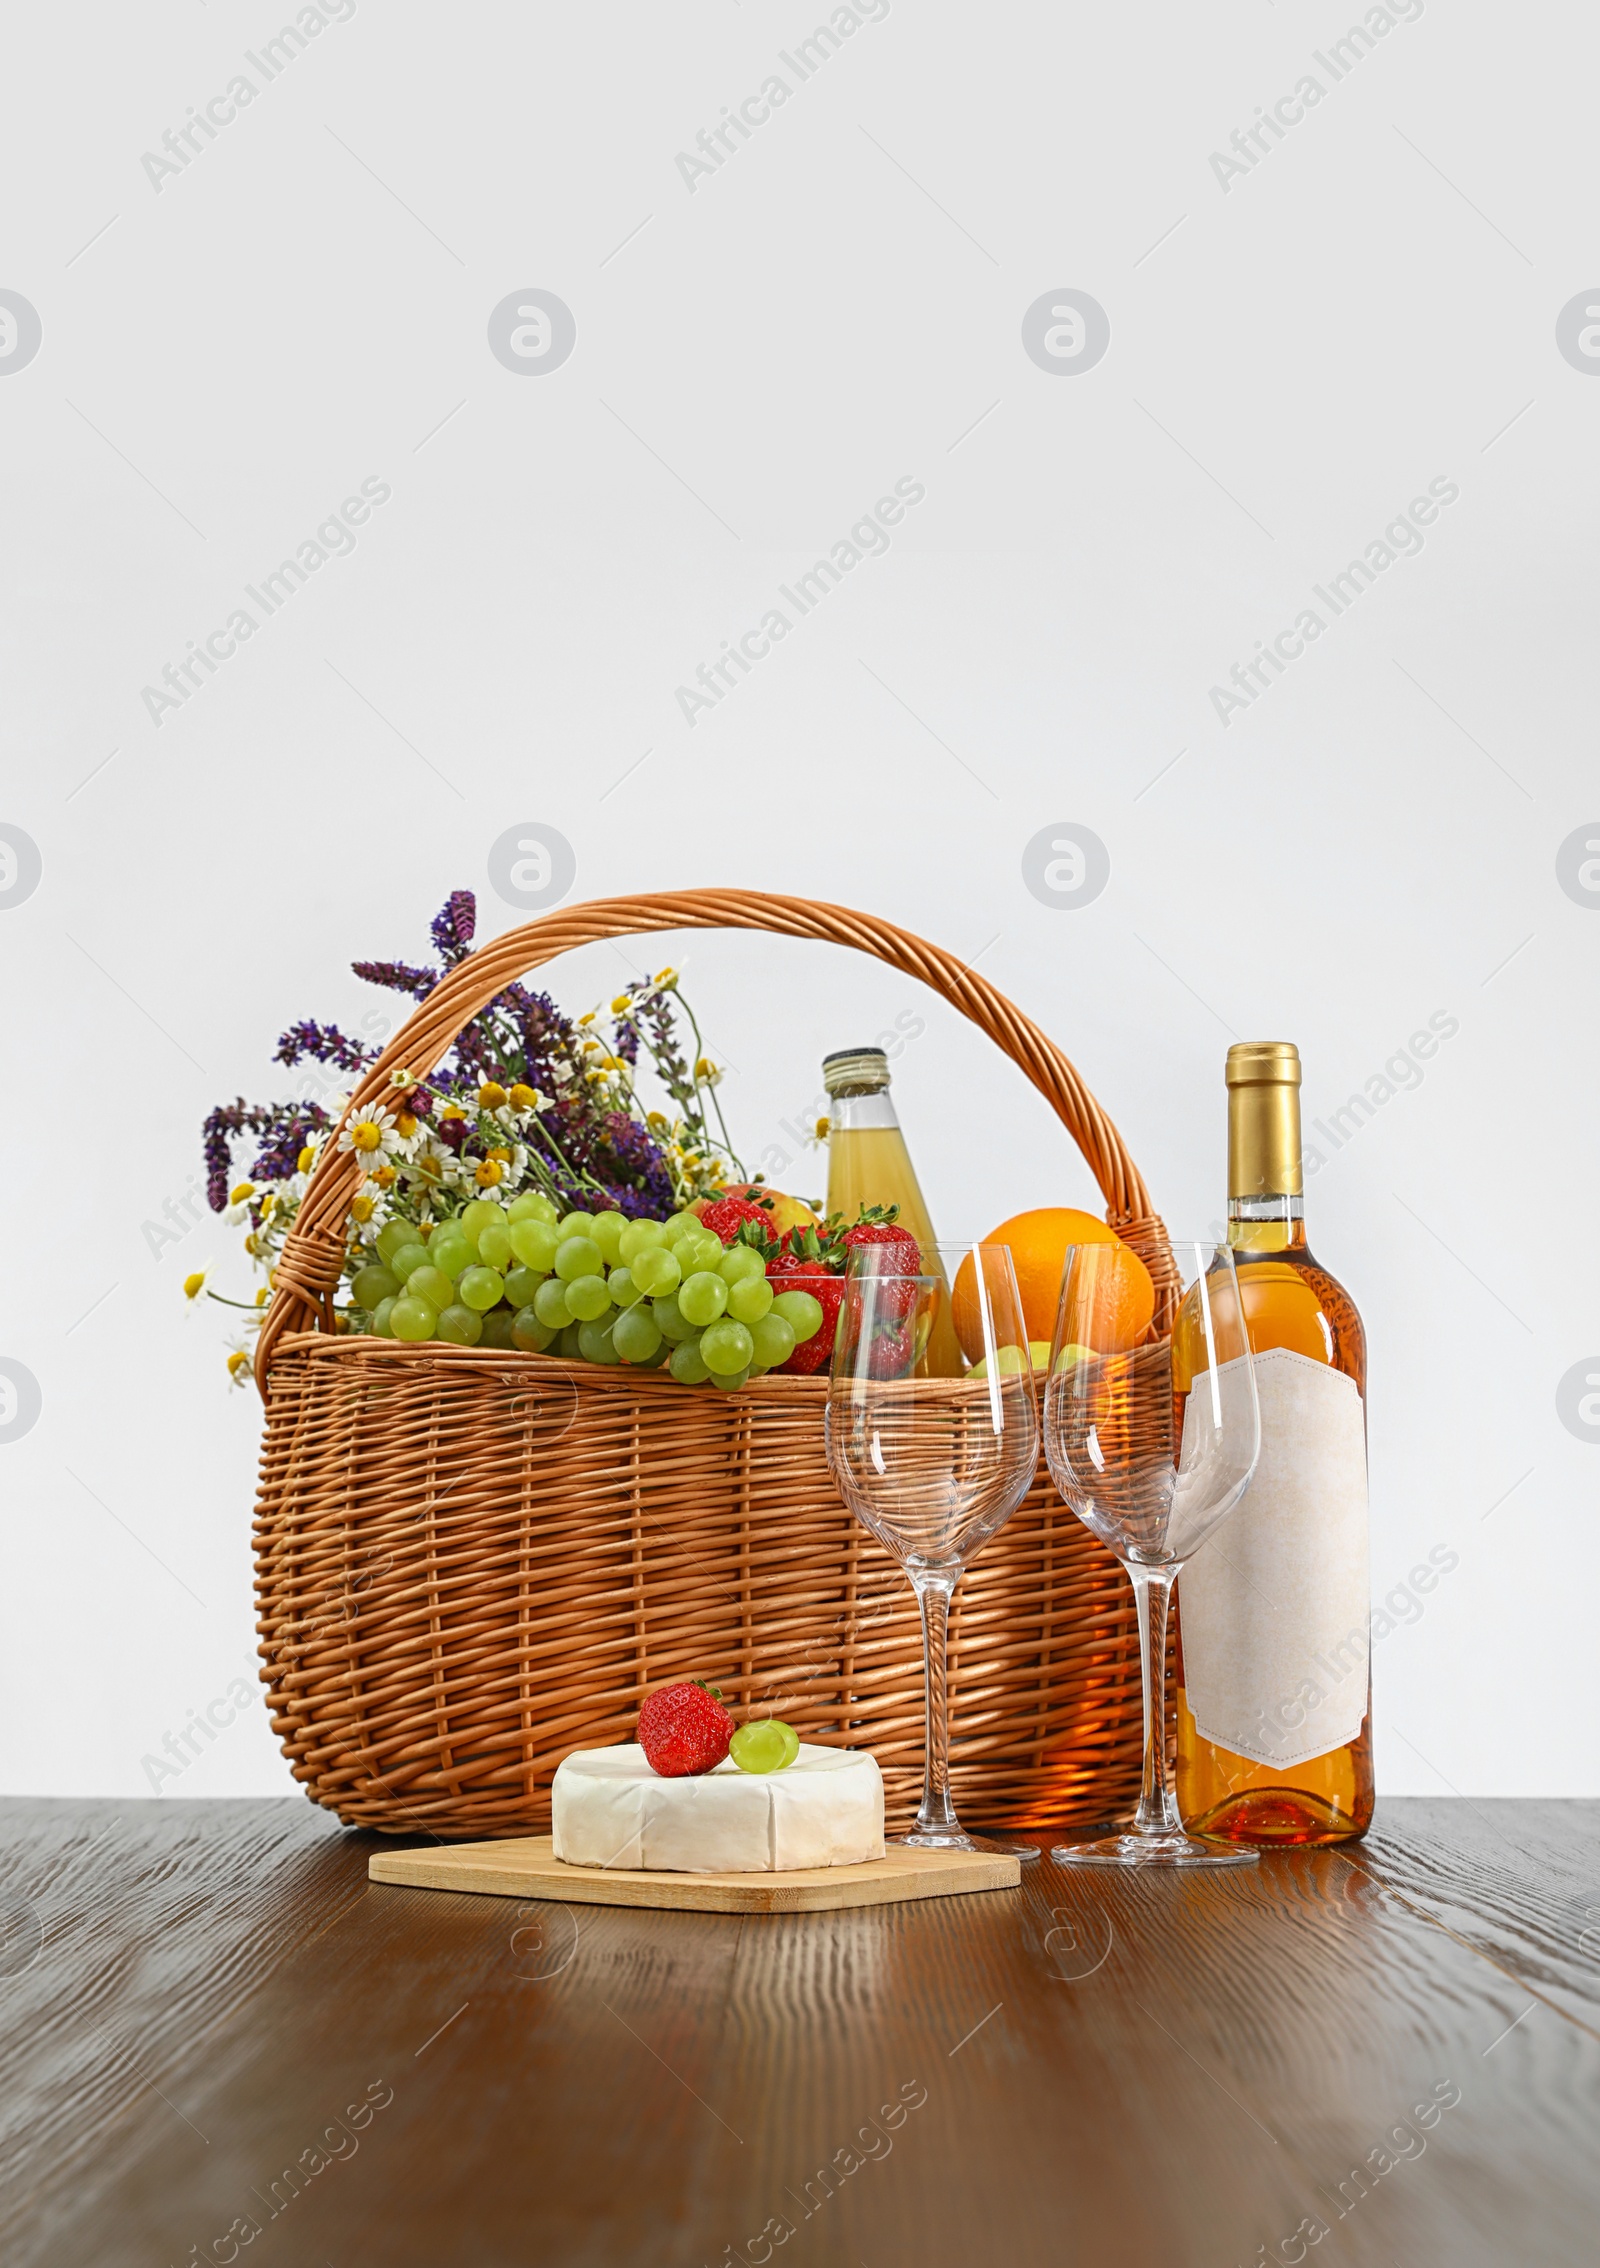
column 313, row 1253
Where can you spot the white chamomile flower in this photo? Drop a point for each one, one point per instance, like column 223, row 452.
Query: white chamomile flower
column 368, row 1137
column 238, row 1207
column 195, row 1283
column 241, row 1368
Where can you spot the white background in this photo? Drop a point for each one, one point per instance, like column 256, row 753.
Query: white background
column 1373, row 842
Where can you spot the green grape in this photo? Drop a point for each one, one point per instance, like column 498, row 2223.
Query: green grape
column 656, row 1271
column 575, row 1224
column 636, row 1335
column 726, row 1347
column 528, row 1333
column 480, row 1288
column 409, row 1256
column 458, row 1326
column 595, row 1343
column 588, row 1298
column 801, row 1312
column 739, row 1263
column 578, row 1256
column 369, row 1285
column 699, row 1252
column 477, row 1215
column 532, row 1205
column 497, row 1328
column 394, row 1236
column 765, row 1745
column 637, row 1237
column 450, row 1251
column 654, row 1362
column 567, row 1344
column 702, row 1298
column 534, row 1244
column 432, row 1284
column 624, row 1289
column 679, row 1225
column 521, row 1284
column 380, row 1319
column 774, row 1341
column 607, row 1233
column 412, row 1319
column 728, row 1383
column 494, row 1245
column 672, row 1323
column 686, row 1364
column 749, row 1299
column 550, row 1304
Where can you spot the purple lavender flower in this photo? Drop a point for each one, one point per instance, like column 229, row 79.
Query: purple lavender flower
column 397, row 976
column 454, row 926
column 326, row 1043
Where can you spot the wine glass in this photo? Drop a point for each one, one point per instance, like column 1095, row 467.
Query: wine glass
column 1151, row 1446
column 933, row 1465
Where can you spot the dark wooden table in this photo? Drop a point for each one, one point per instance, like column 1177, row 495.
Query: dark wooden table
column 213, row 2024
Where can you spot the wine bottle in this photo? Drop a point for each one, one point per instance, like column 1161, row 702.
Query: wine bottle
column 1274, row 1702
column 869, row 1164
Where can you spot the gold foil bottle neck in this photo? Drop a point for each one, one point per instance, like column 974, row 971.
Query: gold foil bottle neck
column 1264, row 1119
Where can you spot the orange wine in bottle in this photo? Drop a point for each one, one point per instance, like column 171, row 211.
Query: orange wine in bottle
column 869, row 1164
column 1274, row 1611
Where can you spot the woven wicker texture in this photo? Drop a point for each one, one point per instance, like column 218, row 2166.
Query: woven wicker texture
column 469, row 1563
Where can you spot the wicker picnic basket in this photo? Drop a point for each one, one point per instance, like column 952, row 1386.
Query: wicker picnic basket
column 469, row 1563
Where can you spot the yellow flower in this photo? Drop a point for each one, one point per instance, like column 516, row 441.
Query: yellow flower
column 262, row 1296
column 429, row 1169
column 366, row 1135
column 492, row 1096
column 238, row 1366
column 666, row 979
column 252, row 1244
column 238, row 1195
column 402, row 1080
column 819, row 1132
column 385, row 1177
column 452, row 1110
column 194, row 1285
column 706, row 1072
column 269, row 1204
column 405, row 1125
column 585, row 1021
column 488, row 1173
column 656, row 1120
column 523, row 1097
column 621, row 1005
column 306, row 1160
column 362, row 1208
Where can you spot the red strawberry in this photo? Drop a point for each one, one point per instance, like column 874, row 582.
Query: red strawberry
column 684, row 1730
column 725, row 1216
column 901, row 1254
column 813, row 1354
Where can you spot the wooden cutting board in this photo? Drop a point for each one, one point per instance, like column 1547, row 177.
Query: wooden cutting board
column 528, row 1869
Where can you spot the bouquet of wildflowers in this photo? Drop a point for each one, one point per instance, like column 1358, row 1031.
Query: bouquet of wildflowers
column 527, row 1104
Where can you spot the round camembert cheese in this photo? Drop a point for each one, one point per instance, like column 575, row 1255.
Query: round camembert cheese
column 611, row 1809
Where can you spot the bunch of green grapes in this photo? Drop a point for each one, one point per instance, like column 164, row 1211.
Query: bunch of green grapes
column 595, row 1285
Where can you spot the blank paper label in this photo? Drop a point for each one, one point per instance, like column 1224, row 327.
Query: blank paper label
column 1275, row 1605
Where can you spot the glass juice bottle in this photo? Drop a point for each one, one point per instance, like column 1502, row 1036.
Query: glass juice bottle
column 869, row 1164
column 1274, row 1611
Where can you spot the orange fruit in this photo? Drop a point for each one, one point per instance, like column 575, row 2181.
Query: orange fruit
column 1125, row 1298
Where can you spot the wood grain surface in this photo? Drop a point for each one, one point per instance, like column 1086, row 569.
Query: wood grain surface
column 527, row 1867
column 213, row 2023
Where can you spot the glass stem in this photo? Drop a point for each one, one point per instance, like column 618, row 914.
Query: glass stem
column 934, row 1593
column 1158, row 1806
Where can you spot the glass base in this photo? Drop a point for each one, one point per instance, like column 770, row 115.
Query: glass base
column 934, row 1839
column 1152, row 1850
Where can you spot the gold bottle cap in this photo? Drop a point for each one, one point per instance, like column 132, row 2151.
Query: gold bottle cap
column 855, row 1068
column 1264, row 1119
column 1264, row 1063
